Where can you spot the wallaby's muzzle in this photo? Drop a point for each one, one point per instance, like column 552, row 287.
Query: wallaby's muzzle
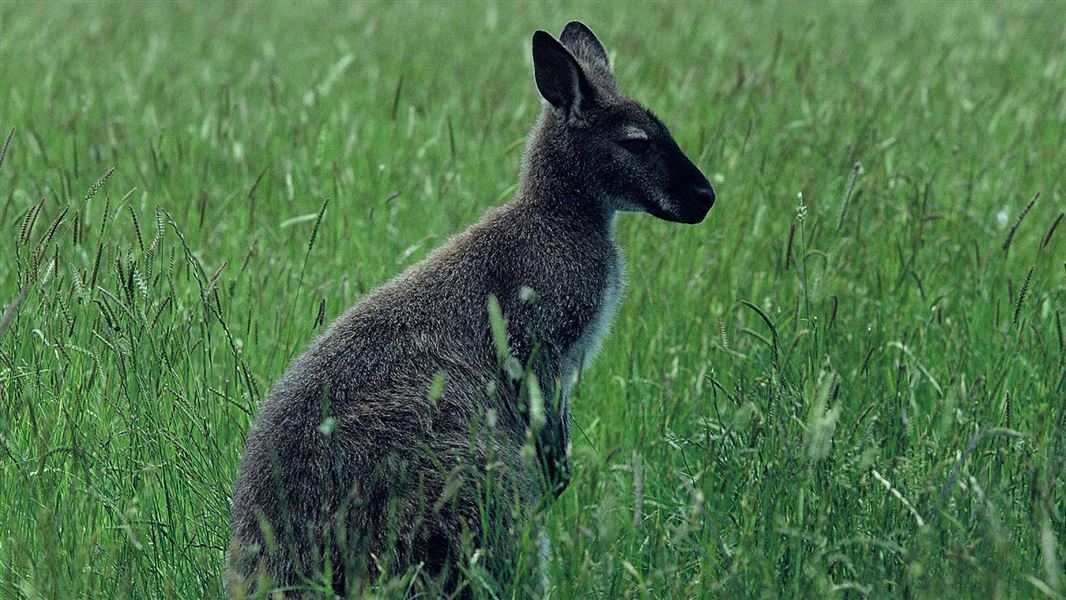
column 701, row 203
column 692, row 195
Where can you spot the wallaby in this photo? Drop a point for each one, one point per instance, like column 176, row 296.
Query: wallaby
column 373, row 453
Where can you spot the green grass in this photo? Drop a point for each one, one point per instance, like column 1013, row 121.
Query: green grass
column 862, row 397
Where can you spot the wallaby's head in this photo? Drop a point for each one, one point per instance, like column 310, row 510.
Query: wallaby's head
column 611, row 147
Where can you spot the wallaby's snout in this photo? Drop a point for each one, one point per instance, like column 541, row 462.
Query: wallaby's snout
column 697, row 209
column 692, row 195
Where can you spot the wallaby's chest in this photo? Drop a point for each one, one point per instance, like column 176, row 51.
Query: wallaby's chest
column 591, row 338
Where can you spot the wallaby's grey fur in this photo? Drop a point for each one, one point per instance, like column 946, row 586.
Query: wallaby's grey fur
column 360, row 462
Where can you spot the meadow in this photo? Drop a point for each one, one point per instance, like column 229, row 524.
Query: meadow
column 848, row 382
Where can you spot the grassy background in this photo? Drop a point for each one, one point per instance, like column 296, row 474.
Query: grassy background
column 862, row 396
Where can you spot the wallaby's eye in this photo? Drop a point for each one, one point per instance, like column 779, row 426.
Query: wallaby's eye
column 635, row 145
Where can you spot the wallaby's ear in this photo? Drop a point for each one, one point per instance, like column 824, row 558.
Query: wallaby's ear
column 559, row 76
column 584, row 44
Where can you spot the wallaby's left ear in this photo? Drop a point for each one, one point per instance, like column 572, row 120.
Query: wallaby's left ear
column 560, row 79
column 584, row 44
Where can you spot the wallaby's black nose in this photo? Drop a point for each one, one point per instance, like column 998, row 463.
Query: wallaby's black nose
column 705, row 194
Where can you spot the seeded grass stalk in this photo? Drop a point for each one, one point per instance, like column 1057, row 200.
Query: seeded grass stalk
column 761, row 384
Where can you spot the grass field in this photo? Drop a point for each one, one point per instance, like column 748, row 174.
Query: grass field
column 849, row 381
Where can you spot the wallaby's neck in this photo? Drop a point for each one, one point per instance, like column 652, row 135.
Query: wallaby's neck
column 547, row 184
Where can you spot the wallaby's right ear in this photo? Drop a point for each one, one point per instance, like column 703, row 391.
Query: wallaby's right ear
column 559, row 76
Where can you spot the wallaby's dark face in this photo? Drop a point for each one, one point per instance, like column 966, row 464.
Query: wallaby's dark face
column 617, row 150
